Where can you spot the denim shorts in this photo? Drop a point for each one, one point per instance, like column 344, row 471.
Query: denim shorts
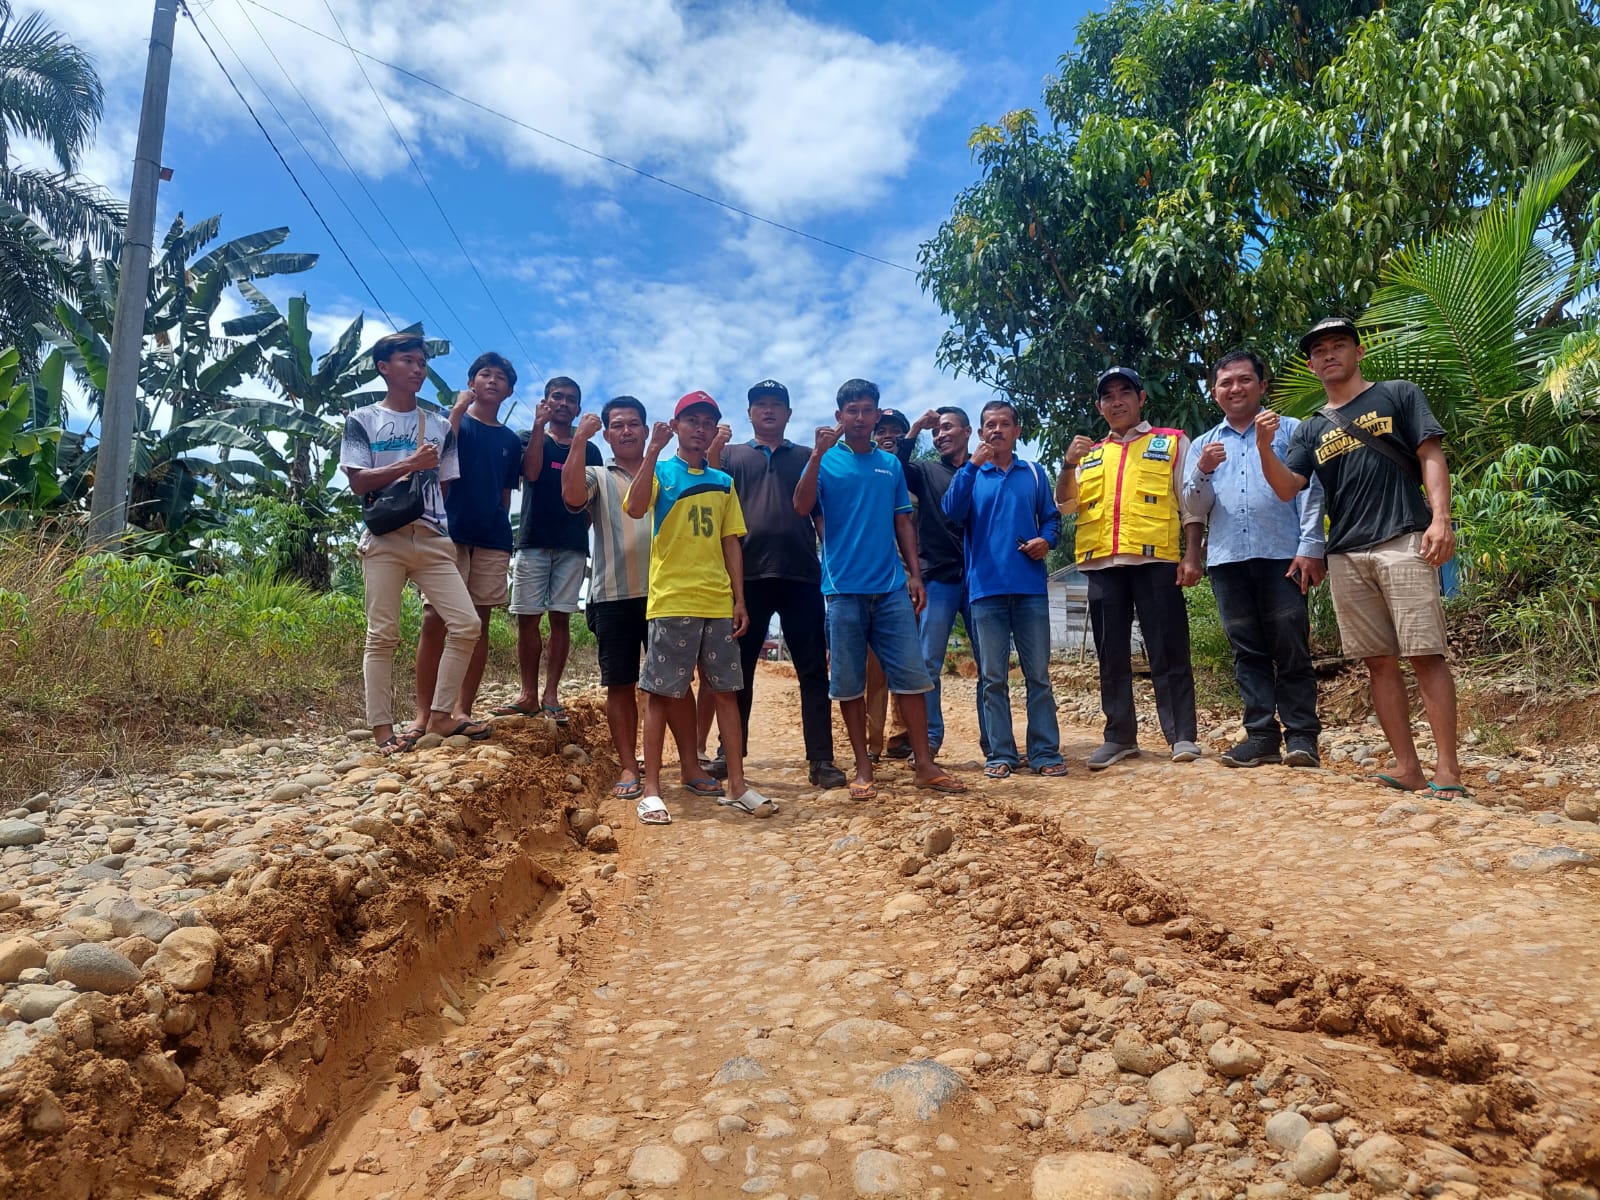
column 887, row 625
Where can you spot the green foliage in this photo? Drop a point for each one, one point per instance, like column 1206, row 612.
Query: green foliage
column 30, row 438
column 1220, row 172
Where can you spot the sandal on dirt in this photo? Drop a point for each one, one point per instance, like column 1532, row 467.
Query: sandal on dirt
column 948, row 784
column 1450, row 791
column 476, row 730
column 556, row 712
column 996, row 770
column 1053, row 771
column 653, row 812
column 628, row 789
column 513, row 709
column 400, row 743
column 752, row 803
column 1389, row 781
column 863, row 791
column 704, row 786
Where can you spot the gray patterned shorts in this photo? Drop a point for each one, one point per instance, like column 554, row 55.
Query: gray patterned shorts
column 677, row 644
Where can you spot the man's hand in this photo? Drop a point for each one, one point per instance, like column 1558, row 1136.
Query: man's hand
column 741, row 618
column 463, row 398
column 984, row 453
column 919, row 595
column 928, row 420
column 425, row 458
column 1190, row 573
column 1438, row 542
column 542, row 413
column 588, row 426
column 1306, row 571
column 827, row 437
column 724, row 436
column 1075, row 452
column 1212, row 456
column 1266, row 428
column 1035, row 548
column 660, row 435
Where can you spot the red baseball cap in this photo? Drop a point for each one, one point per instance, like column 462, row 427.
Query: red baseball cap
column 694, row 400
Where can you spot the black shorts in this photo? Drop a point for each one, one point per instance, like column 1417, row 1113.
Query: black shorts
column 621, row 630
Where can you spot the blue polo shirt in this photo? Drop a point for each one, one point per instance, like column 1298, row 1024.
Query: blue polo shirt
column 999, row 509
column 859, row 495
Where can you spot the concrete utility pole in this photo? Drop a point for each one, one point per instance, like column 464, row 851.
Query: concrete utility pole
column 108, row 506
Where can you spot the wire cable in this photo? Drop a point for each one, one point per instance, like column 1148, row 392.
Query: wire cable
column 433, row 323
column 298, row 185
column 571, row 145
column 428, row 187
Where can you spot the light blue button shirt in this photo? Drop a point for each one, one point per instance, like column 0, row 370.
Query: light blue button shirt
column 1246, row 518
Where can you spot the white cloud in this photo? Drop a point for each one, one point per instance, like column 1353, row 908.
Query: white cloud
column 773, row 110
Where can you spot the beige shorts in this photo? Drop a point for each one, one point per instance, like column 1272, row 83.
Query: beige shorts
column 487, row 574
column 1387, row 600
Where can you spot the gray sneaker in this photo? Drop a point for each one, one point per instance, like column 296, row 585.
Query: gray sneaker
column 1185, row 751
column 1108, row 753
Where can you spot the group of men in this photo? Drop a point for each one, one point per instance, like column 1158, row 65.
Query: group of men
column 867, row 554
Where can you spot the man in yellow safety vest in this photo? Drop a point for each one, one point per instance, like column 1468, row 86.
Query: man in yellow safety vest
column 1127, row 493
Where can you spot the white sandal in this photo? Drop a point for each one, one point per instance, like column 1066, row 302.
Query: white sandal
column 653, row 812
column 752, row 803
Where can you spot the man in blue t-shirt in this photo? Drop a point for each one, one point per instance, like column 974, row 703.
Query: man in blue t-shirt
column 479, row 507
column 870, row 578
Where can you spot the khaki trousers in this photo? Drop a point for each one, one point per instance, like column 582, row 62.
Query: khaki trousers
column 417, row 552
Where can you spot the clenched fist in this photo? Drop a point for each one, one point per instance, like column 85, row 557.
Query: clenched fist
column 1212, row 456
column 827, row 437
column 1075, row 452
column 588, row 426
column 1266, row 427
column 660, row 435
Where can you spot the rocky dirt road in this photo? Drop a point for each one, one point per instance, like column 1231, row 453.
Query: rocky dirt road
column 1160, row 981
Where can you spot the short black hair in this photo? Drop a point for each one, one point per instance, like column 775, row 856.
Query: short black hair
column 394, row 343
column 1005, row 404
column 559, row 380
column 1241, row 354
column 617, row 402
column 498, row 361
column 857, row 389
column 960, row 414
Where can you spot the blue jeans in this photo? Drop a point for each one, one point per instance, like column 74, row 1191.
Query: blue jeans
column 1024, row 620
column 945, row 600
column 886, row 624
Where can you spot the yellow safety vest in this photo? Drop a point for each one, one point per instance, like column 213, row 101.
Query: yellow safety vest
column 1127, row 500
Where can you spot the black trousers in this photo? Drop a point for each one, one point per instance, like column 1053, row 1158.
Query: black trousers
column 1264, row 615
column 800, row 608
column 1152, row 591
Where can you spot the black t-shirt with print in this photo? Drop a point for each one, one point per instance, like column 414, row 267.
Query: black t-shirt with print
column 1370, row 499
column 546, row 524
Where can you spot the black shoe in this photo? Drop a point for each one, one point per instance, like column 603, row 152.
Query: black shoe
column 717, row 767
column 897, row 748
column 1251, row 752
column 1302, row 754
column 826, row 775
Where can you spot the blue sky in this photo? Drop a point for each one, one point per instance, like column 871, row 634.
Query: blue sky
column 847, row 120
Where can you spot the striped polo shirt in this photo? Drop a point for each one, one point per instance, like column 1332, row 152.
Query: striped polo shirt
column 620, row 566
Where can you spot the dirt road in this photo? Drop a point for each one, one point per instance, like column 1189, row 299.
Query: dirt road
column 1213, row 983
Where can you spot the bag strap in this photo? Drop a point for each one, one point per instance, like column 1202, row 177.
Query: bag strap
column 1408, row 466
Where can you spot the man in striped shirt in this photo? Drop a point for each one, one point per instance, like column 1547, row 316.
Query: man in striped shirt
column 619, row 576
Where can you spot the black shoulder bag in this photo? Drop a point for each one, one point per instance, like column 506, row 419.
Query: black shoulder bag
column 1408, row 465
column 397, row 504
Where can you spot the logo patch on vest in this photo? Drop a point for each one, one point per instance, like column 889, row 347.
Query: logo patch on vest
column 1094, row 458
column 1160, row 448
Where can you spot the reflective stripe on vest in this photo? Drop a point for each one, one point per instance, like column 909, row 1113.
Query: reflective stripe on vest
column 1128, row 499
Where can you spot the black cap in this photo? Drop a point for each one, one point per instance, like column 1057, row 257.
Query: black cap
column 892, row 416
column 1329, row 325
column 1127, row 373
column 768, row 387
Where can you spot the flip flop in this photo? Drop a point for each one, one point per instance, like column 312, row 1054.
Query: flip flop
column 652, row 812
column 1389, row 781
column 556, row 712
column 512, row 710
column 628, row 789
column 389, row 745
column 1449, row 790
column 400, row 743
column 996, row 770
column 863, row 791
column 462, row 730
column 948, row 784
column 704, row 786
column 1053, row 771
column 752, row 803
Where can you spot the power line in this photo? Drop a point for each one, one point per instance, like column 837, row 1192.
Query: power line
column 428, row 187
column 595, row 154
column 298, row 185
column 289, row 79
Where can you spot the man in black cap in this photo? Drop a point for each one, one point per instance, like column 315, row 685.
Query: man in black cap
column 1376, row 448
column 781, row 573
column 1127, row 490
